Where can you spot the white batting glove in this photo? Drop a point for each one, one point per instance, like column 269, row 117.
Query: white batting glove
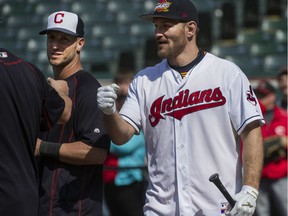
column 245, row 202
column 106, row 97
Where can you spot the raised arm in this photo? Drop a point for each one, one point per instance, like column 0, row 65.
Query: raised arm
column 62, row 89
column 118, row 129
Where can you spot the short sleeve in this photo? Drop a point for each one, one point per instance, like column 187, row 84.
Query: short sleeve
column 89, row 126
column 244, row 106
column 130, row 110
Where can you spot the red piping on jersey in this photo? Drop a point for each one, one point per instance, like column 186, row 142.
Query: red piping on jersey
column 11, row 63
column 43, row 110
column 74, row 93
column 57, row 171
column 46, row 117
column 72, row 135
column 55, row 177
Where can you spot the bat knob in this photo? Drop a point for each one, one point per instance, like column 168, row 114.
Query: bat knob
column 214, row 177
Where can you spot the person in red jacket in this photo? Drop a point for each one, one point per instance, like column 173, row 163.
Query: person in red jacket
column 273, row 189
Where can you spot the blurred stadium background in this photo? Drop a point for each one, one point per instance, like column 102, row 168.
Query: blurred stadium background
column 252, row 33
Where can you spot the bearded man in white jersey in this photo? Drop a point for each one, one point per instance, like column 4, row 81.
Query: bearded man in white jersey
column 199, row 116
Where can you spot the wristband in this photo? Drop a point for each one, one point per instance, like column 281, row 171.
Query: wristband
column 50, row 149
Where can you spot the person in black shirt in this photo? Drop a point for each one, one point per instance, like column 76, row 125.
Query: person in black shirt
column 72, row 155
column 28, row 103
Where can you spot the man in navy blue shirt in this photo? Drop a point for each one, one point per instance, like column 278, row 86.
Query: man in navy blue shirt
column 72, row 168
column 28, row 103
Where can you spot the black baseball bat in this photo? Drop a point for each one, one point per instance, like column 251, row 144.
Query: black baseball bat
column 216, row 180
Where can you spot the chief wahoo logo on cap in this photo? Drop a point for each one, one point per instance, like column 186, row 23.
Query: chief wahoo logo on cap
column 162, row 6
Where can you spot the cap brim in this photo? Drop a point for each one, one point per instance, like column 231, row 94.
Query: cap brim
column 59, row 29
column 150, row 17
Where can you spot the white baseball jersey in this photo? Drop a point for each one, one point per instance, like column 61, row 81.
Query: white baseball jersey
column 191, row 126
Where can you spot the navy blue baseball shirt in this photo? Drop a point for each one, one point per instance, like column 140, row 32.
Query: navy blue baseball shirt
column 68, row 189
column 26, row 98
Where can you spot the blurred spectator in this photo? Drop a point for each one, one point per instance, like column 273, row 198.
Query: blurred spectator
column 124, row 188
column 282, row 82
column 273, row 188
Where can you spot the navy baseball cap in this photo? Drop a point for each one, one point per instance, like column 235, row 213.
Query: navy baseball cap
column 181, row 10
column 66, row 22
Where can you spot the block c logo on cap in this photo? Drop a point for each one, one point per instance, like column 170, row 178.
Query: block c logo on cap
column 58, row 18
column 66, row 22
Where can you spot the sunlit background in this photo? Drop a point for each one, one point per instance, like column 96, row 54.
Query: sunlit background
column 252, row 33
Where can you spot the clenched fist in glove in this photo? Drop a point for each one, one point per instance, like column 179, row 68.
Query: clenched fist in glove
column 106, row 97
column 245, row 202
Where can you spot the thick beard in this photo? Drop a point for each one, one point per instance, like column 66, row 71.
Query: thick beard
column 178, row 46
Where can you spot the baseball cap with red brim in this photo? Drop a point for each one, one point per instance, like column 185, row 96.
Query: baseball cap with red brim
column 181, row 10
column 66, row 22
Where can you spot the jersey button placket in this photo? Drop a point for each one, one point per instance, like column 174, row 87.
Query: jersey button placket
column 181, row 157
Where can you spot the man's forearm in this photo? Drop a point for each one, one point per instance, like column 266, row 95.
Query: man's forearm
column 118, row 129
column 67, row 110
column 79, row 153
column 252, row 157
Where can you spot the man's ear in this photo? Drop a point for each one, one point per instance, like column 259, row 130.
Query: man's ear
column 192, row 28
column 81, row 42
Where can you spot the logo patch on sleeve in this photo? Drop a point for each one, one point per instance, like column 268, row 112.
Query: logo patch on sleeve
column 250, row 96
